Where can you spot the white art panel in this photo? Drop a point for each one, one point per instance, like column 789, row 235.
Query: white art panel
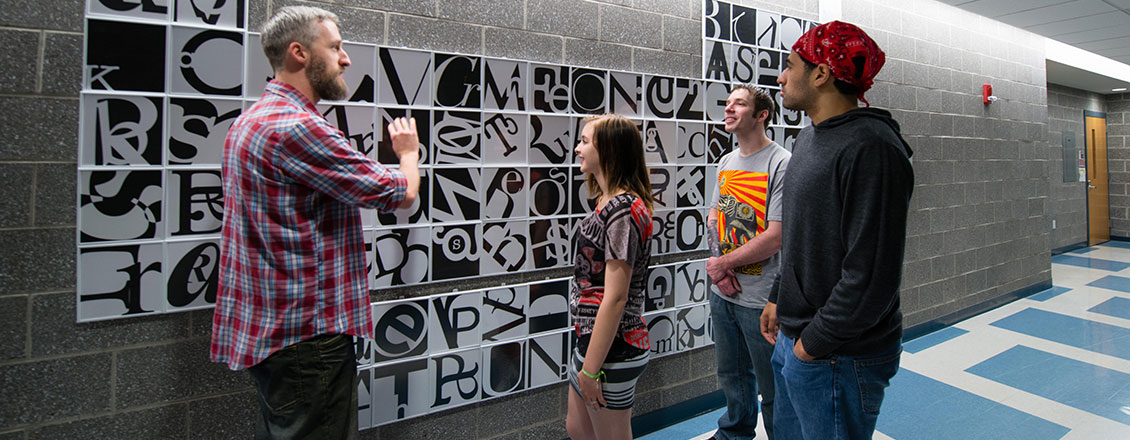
column 690, row 283
column 121, row 130
column 457, row 378
column 504, row 194
column 120, row 205
column 194, row 201
column 504, row 138
column 548, row 359
column 361, row 76
column 401, row 390
column 198, row 128
column 549, row 243
column 118, row 281
column 456, row 322
column 355, row 123
column 457, row 81
column 692, row 143
column 625, row 93
column 206, row 61
column 548, row 306
column 661, row 328
column 229, row 14
column 504, row 313
column 400, row 257
column 691, row 328
column 549, row 88
column 259, row 70
column 157, row 10
column 364, row 398
column 400, row 330
column 505, row 247
column 504, row 85
column 405, row 77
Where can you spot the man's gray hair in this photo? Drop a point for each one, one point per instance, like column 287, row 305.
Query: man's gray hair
column 292, row 24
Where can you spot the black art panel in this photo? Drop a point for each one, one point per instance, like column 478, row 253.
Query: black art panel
column 659, row 97
column 197, row 128
column 744, row 25
column 457, row 79
column 401, row 390
column 692, row 143
column 767, row 29
column 195, row 202
column 455, row 251
column 663, row 232
column 549, row 193
column 405, row 77
column 364, row 398
column 504, row 247
column 549, row 243
column 119, row 205
column 589, row 87
column 718, row 142
column 504, row 313
column 692, row 228
column 210, row 12
column 625, row 91
column 206, row 62
column 550, row 140
column 745, row 64
column 583, row 202
column 662, row 186
column 716, row 17
column 417, row 213
column 690, row 283
column 457, row 137
column 660, row 289
column 691, row 187
column 775, row 94
column 505, row 193
column 549, row 88
column 120, row 281
column 503, row 365
column 193, row 271
column 791, row 30
column 790, row 137
column 125, row 56
column 121, row 130
column 691, row 330
column 455, row 322
column 504, row 138
column 715, row 101
column 717, row 60
column 147, row 9
column 547, row 359
column 356, row 124
column 455, row 194
column 661, row 329
column 423, row 118
column 400, row 256
column 400, row 330
column 457, row 378
column 360, row 77
column 549, row 306
column 769, row 67
column 504, row 85
column 689, row 95
column 659, row 142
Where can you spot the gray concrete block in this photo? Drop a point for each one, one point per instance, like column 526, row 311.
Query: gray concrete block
column 50, row 134
column 599, row 54
column 55, row 194
column 927, row 53
column 567, row 18
column 56, row 388
column 173, row 371
column 12, row 435
column 65, row 15
column 632, row 27
column 166, row 422
column 15, row 210
column 357, row 24
column 453, row 423
column 687, row 391
column 522, row 45
column 13, row 327
column 501, row 13
column 62, row 74
column 415, row 7
column 903, row 97
column 37, row 260
column 678, row 8
column 54, row 330
column 663, row 372
column 526, row 408
column 682, row 35
column 230, row 416
column 431, row 34
column 665, row 63
column 18, row 66
column 200, row 322
column 941, row 125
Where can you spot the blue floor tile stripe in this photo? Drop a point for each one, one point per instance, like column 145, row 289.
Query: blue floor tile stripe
column 1116, row 244
column 1112, row 282
column 1068, row 330
column 1091, row 388
column 1049, row 294
column 1083, row 251
column 689, row 428
column 1117, row 307
column 932, row 339
column 1093, row 263
column 918, row 407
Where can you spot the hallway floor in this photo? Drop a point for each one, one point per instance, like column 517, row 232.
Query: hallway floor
column 1054, row 365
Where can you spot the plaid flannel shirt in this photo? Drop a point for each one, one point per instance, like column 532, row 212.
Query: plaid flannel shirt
column 292, row 260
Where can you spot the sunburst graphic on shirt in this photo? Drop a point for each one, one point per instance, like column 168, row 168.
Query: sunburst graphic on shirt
column 743, row 195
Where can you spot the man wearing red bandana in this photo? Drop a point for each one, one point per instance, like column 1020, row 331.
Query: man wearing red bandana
column 833, row 313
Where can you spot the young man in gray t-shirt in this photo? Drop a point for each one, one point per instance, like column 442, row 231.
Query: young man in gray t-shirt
column 744, row 236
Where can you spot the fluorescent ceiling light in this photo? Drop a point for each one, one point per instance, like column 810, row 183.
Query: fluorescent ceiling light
column 1120, row 89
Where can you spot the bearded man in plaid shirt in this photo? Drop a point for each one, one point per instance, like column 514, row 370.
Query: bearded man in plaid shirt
column 293, row 280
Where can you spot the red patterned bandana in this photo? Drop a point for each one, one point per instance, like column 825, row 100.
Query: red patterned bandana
column 852, row 55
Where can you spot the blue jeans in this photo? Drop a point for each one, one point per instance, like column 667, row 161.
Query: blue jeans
column 834, row 398
column 308, row 390
column 743, row 368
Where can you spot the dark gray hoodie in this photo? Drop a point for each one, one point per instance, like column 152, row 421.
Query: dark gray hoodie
column 846, row 198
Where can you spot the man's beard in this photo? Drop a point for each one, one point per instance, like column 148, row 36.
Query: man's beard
column 326, row 84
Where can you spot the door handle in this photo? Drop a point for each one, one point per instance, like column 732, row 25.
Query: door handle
column 1090, row 186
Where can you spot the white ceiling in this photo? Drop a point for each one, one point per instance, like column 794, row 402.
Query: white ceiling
column 1098, row 26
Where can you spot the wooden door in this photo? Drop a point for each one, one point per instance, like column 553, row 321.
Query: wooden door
column 1098, row 197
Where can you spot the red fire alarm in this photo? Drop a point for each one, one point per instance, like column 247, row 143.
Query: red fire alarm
column 987, row 94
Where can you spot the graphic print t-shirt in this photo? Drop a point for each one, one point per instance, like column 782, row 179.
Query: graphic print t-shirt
column 619, row 231
column 748, row 198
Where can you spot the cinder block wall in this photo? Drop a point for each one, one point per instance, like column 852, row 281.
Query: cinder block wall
column 979, row 226
column 1118, row 162
column 1067, row 201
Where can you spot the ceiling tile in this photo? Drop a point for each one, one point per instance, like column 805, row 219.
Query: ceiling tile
column 1056, row 13
column 1105, row 33
column 1081, row 24
column 996, row 8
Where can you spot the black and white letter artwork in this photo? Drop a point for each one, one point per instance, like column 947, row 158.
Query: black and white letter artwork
column 401, row 256
column 121, row 130
column 503, row 368
column 120, row 280
column 203, row 62
column 457, row 378
column 210, row 12
column 547, row 359
column 401, row 390
column 400, row 330
column 549, row 306
column 455, row 251
column 549, row 243
column 455, row 321
column 690, row 329
column 661, row 329
column 660, row 289
column 505, row 195
column 195, row 202
column 504, row 247
column 120, row 205
column 504, row 313
column 124, row 56
column 197, row 129
column 193, row 273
